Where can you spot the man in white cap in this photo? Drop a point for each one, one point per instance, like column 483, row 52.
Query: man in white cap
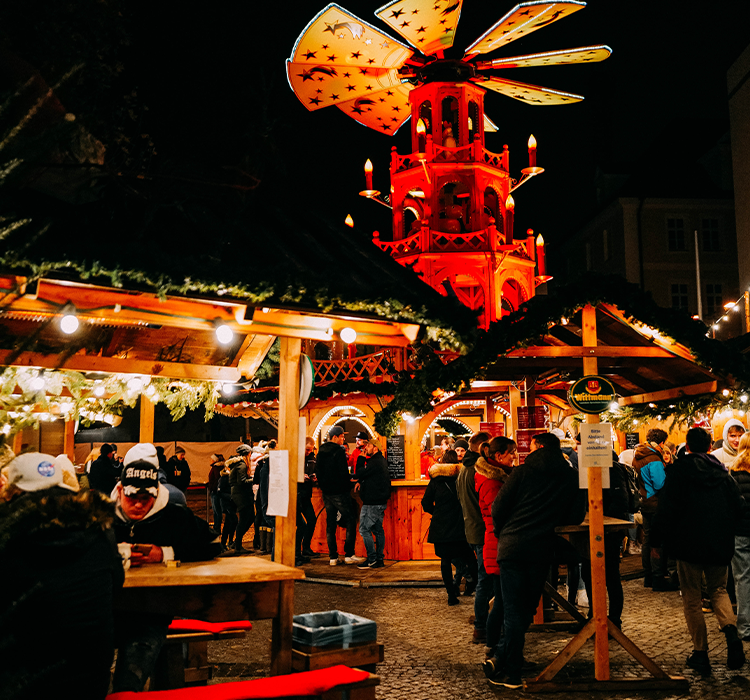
column 150, row 529
column 60, row 570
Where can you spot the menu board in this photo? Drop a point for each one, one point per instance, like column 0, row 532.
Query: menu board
column 494, row 429
column 396, row 457
column 632, row 440
column 530, row 417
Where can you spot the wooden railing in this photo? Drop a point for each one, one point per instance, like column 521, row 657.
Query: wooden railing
column 370, row 367
column 440, row 242
column 473, row 152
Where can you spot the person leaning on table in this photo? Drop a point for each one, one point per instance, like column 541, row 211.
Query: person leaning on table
column 144, row 516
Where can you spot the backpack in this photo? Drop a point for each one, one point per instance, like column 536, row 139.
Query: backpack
column 635, row 499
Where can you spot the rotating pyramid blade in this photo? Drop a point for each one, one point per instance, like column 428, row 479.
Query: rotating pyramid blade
column 531, row 94
column 384, row 110
column 338, row 56
column 521, row 21
column 584, row 54
column 429, row 25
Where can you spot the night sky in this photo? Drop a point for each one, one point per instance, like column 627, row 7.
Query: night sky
column 214, row 77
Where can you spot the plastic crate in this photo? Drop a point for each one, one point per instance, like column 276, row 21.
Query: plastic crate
column 332, row 628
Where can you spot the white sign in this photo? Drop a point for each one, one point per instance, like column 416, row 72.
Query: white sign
column 278, row 483
column 595, row 452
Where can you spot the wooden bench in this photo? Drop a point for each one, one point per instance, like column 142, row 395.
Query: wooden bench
column 334, row 683
column 184, row 657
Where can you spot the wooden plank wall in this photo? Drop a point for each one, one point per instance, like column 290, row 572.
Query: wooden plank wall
column 405, row 526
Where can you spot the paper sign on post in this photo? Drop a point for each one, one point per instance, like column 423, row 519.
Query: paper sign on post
column 278, row 483
column 595, row 452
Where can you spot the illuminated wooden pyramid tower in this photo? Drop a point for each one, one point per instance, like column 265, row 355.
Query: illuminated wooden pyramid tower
column 451, row 198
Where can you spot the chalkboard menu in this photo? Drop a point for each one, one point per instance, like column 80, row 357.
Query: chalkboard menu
column 631, row 440
column 396, row 457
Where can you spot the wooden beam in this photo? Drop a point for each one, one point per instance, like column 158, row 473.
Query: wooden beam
column 113, row 365
column 146, row 429
column 666, row 394
column 253, row 352
column 69, row 439
column 286, row 528
column 599, row 351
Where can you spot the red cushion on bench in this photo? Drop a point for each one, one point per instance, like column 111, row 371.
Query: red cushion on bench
column 213, row 627
column 296, row 684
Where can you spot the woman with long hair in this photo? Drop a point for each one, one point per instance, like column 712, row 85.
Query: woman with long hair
column 740, row 471
column 447, row 527
column 492, row 469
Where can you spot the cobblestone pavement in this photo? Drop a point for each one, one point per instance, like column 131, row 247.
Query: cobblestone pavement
column 428, row 655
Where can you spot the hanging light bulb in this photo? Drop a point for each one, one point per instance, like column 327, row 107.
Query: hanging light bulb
column 69, row 324
column 99, row 391
column 348, row 335
column 224, row 334
column 227, row 388
column 349, row 221
column 37, row 384
column 135, row 384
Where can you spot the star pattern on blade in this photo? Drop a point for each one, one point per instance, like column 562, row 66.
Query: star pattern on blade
column 434, row 25
column 584, row 54
column 531, row 94
column 521, row 21
column 384, row 110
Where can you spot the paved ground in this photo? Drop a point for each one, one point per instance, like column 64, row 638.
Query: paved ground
column 428, row 655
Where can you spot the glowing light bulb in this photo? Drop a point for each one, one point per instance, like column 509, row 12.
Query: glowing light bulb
column 227, row 388
column 69, row 324
column 99, row 391
column 421, row 129
column 348, row 335
column 614, row 406
column 37, row 384
column 349, row 221
column 510, row 202
column 224, row 334
column 135, row 384
column 725, row 392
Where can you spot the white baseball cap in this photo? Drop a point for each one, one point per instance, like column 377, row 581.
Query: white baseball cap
column 35, row 471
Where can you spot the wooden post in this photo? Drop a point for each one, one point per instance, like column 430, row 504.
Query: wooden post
column 146, row 433
column 514, row 399
column 286, row 528
column 412, row 467
column 489, row 410
column 17, row 442
column 69, row 439
column 596, row 523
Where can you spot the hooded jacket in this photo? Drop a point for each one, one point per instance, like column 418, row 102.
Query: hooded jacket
column 441, row 501
column 648, row 462
column 168, row 525
column 469, row 498
column 700, row 508
column 374, row 479
column 332, row 470
column 726, row 454
column 240, row 482
column 61, row 569
column 741, row 474
column 489, row 478
column 539, row 495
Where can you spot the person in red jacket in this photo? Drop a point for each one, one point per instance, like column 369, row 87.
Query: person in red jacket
column 491, row 471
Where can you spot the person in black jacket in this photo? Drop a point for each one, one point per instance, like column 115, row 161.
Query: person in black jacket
column 61, row 569
column 242, row 495
column 178, row 470
column 332, row 472
column 539, row 495
column 740, row 471
column 306, row 517
column 700, row 508
column 374, row 486
column 150, row 529
column 102, row 475
column 447, row 525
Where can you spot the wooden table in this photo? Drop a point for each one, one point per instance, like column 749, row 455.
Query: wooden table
column 219, row 590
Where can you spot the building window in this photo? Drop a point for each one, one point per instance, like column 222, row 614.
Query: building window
column 588, row 256
column 676, row 234
column 714, row 302
column 679, row 296
column 605, row 244
column 710, row 229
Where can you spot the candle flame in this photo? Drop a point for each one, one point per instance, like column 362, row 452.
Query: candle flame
column 539, row 240
column 349, row 221
column 368, row 166
column 509, row 203
column 532, row 141
column 421, row 128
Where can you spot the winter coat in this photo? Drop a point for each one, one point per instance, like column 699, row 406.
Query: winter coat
column 568, row 447
column 648, row 462
column 489, row 478
column 263, row 473
column 168, row 525
column 102, row 475
column 469, row 498
column 305, row 489
column 539, row 495
column 441, row 501
column 726, row 454
column 240, row 483
column 332, row 470
column 700, row 508
column 742, row 477
column 61, row 569
column 214, row 475
column 374, row 479
column 178, row 473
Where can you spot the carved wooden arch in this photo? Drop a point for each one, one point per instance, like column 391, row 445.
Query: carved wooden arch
column 317, row 416
column 520, row 277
